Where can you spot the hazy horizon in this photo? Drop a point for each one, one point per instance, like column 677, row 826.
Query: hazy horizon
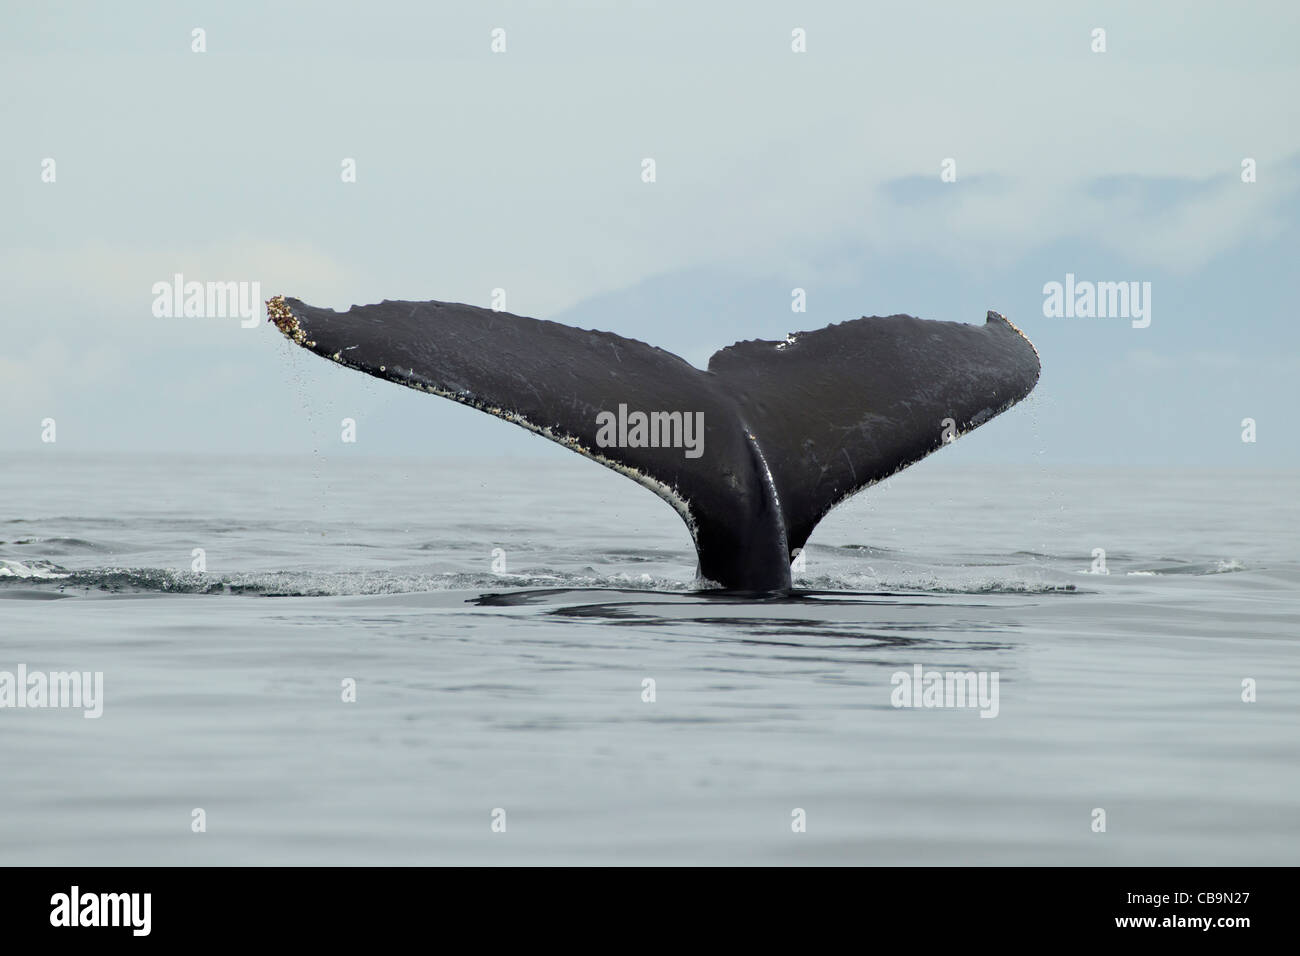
column 775, row 171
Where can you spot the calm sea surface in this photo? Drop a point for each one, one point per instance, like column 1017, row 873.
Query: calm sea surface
column 523, row 690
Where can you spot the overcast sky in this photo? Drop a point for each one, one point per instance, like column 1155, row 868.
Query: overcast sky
column 522, row 170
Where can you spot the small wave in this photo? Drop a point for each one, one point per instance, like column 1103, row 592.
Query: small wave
column 1190, row 568
column 319, row 584
column 947, row 580
column 331, row 584
column 32, row 570
column 926, row 583
column 63, row 545
column 75, row 520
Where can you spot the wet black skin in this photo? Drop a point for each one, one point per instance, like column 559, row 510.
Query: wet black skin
column 790, row 428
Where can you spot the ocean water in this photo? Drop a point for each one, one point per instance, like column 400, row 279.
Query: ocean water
column 519, row 695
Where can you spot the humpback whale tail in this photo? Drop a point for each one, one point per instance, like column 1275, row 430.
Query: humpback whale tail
column 752, row 452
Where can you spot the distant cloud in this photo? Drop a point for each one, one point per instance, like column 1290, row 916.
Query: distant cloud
column 913, row 190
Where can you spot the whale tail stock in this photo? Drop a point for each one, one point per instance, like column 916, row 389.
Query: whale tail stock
column 752, row 452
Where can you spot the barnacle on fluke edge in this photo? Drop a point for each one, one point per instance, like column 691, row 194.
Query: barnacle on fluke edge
column 278, row 313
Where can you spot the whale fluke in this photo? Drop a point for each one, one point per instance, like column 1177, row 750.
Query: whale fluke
column 763, row 444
